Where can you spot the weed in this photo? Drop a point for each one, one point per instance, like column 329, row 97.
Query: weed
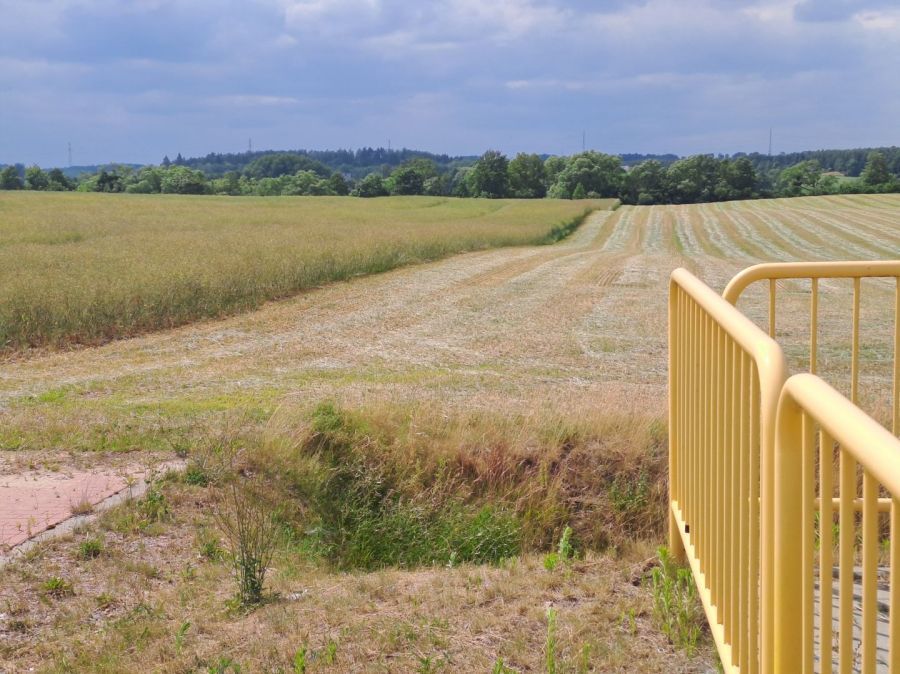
column 180, row 635
column 195, row 475
column 153, row 506
column 584, row 659
column 82, row 507
column 676, row 603
column 565, row 551
column 300, row 661
column 105, row 600
column 224, row 665
column 253, row 531
column 550, row 663
column 208, row 543
column 500, row 668
column 57, row 587
column 90, row 548
column 330, row 653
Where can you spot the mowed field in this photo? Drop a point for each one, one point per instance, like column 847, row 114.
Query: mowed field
column 86, row 268
column 536, row 374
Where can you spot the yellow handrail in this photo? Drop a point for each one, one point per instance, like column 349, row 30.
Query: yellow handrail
column 725, row 378
column 755, row 504
column 807, row 404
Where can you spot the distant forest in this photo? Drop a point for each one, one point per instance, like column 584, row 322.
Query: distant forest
column 371, row 172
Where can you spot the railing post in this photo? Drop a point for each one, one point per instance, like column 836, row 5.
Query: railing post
column 676, row 545
column 787, row 600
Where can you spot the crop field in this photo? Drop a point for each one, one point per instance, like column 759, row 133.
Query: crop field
column 454, row 417
column 87, row 268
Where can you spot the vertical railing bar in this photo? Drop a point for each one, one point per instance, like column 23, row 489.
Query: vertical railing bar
column 854, row 356
column 894, row 598
column 744, row 531
column 870, row 572
column 734, row 527
column 826, row 561
column 847, row 491
column 728, row 495
column 721, row 477
column 772, row 308
column 895, row 392
column 814, row 326
column 807, row 445
column 754, row 528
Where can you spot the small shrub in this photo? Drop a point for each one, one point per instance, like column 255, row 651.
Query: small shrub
column 500, row 668
column 253, row 530
column 676, row 604
column 57, row 587
column 90, row 548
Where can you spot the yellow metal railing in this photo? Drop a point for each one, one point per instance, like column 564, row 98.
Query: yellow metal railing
column 815, row 426
column 725, row 378
column 758, row 520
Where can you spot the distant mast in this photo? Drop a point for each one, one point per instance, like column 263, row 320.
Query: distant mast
column 249, row 145
column 70, row 153
column 770, row 142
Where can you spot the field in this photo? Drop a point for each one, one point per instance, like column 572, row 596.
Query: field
column 87, row 267
column 496, row 396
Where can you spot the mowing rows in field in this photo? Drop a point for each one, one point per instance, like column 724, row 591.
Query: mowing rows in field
column 812, row 228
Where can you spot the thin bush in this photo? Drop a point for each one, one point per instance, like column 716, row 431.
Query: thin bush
column 253, row 531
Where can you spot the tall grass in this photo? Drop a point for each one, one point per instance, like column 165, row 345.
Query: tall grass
column 86, row 268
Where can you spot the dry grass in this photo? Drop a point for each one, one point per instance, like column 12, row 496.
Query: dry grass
column 86, row 268
column 157, row 598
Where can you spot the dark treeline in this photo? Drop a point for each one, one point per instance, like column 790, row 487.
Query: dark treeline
column 634, row 179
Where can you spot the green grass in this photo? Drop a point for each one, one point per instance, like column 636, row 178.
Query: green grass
column 87, row 268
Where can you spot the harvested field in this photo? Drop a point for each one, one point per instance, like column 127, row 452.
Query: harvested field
column 535, row 375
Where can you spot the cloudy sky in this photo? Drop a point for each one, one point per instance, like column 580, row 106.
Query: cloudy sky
column 131, row 80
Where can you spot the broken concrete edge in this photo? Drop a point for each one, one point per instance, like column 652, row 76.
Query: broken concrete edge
column 136, row 490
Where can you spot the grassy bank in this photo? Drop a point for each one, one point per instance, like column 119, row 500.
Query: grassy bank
column 87, row 268
column 404, row 540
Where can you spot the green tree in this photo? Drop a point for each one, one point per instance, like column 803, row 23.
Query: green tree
column 578, row 192
column 553, row 166
column 527, row 177
column 36, row 179
column 9, row 179
column 801, row 179
column 645, row 184
column 693, row 180
column 58, row 181
column 338, row 184
column 876, row 171
column 489, row 177
column 182, row 180
column 599, row 175
column 371, row 186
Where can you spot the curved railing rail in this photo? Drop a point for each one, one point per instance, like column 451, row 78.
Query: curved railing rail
column 815, row 426
column 725, row 378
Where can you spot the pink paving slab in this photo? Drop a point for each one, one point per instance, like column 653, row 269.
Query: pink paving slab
column 30, row 504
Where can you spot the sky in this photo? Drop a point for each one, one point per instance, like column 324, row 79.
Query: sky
column 133, row 80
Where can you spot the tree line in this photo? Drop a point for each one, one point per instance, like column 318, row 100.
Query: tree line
column 589, row 174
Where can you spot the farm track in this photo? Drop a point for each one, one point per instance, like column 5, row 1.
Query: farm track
column 502, row 329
